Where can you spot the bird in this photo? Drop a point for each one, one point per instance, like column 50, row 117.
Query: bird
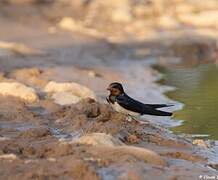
column 123, row 103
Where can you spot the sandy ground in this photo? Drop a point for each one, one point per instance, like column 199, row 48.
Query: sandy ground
column 44, row 140
column 41, row 141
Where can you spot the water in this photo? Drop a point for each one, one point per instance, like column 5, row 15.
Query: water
column 197, row 88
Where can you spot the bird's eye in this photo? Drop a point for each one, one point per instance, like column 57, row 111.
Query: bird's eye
column 116, row 92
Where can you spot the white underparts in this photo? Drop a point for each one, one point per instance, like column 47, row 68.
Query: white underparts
column 120, row 109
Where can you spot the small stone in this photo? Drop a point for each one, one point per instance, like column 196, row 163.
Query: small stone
column 201, row 143
column 8, row 156
column 68, row 23
column 133, row 139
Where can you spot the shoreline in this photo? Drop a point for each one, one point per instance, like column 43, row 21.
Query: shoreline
column 47, row 140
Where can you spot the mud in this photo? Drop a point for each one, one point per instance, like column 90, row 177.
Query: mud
column 44, row 140
column 39, row 153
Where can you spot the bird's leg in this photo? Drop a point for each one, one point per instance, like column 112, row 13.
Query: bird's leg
column 130, row 118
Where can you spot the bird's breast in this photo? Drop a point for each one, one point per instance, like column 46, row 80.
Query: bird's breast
column 120, row 109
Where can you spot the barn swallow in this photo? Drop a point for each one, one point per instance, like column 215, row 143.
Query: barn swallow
column 122, row 103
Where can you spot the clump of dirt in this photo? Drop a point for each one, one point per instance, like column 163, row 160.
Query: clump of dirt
column 35, row 133
column 13, row 109
column 29, row 76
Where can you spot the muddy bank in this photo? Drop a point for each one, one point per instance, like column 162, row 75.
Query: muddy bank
column 46, row 140
column 43, row 138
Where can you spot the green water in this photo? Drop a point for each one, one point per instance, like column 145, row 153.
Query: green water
column 197, row 88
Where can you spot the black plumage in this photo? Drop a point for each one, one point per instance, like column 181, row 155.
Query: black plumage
column 117, row 95
column 132, row 105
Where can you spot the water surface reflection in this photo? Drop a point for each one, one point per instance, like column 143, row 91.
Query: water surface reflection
column 197, row 88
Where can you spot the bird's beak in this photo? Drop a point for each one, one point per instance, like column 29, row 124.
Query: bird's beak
column 108, row 88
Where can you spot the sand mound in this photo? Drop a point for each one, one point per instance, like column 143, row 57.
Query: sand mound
column 19, row 90
column 111, row 146
column 98, row 139
column 68, row 93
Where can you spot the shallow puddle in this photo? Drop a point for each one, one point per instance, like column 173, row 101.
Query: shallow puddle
column 197, row 88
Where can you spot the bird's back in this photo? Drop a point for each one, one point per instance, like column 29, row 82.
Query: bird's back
column 133, row 105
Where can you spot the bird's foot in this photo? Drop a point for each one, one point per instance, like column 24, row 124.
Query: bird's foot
column 131, row 118
column 141, row 122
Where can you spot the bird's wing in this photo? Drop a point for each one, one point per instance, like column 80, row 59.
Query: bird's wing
column 159, row 105
column 132, row 105
column 155, row 112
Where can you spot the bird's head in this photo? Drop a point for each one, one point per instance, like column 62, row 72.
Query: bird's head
column 115, row 89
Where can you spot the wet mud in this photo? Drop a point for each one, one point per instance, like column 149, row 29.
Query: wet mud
column 48, row 139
